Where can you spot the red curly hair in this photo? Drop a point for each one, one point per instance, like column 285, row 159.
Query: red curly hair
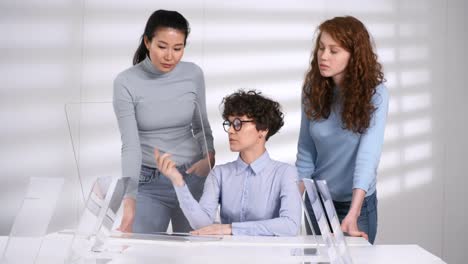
column 362, row 75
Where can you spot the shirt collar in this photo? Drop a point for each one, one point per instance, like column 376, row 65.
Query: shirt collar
column 257, row 166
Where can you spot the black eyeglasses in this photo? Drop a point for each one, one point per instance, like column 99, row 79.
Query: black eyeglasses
column 236, row 124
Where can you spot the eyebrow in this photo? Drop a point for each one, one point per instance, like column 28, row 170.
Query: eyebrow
column 163, row 42
column 332, row 46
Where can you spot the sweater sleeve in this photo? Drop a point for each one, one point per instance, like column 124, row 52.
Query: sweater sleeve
column 306, row 151
column 201, row 126
column 124, row 109
column 371, row 142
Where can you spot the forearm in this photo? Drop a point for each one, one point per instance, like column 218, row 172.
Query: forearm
column 211, row 156
column 349, row 224
column 197, row 216
column 178, row 181
column 371, row 143
column 301, row 187
column 306, row 150
column 356, row 203
column 131, row 150
column 201, row 98
column 280, row 226
column 131, row 167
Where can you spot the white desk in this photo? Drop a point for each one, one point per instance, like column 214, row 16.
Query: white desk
column 229, row 250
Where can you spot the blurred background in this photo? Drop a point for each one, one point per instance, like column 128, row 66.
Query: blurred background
column 56, row 54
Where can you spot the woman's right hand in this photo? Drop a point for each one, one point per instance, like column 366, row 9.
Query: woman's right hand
column 200, row 168
column 168, row 168
column 128, row 215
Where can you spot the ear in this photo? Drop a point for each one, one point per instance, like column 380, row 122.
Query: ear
column 263, row 133
column 147, row 42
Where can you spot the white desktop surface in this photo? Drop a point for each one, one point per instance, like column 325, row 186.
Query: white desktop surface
column 230, row 249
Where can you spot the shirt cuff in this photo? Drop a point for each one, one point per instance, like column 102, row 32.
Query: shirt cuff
column 241, row 229
column 361, row 185
column 132, row 189
column 181, row 190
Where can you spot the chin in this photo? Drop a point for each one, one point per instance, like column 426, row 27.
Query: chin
column 165, row 70
column 325, row 75
column 233, row 148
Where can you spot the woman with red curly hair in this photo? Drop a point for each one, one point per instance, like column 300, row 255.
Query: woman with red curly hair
column 344, row 111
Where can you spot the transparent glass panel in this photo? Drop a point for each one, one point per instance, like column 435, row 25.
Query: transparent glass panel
column 340, row 241
column 321, row 219
column 98, row 217
column 32, row 220
column 96, row 143
column 189, row 150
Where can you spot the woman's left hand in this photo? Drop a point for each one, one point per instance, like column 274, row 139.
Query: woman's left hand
column 214, row 229
column 349, row 225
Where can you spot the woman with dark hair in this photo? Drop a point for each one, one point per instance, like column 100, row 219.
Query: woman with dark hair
column 160, row 101
column 257, row 195
column 344, row 113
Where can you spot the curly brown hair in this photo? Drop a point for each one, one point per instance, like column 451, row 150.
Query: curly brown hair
column 362, row 75
column 265, row 112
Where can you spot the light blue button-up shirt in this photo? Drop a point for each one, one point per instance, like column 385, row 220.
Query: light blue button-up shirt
column 260, row 199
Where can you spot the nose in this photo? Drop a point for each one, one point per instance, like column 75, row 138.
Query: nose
column 168, row 55
column 323, row 55
column 231, row 129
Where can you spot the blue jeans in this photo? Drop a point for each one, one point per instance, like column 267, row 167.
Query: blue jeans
column 156, row 202
column 367, row 221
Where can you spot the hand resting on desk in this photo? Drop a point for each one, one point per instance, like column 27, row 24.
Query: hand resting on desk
column 214, row 229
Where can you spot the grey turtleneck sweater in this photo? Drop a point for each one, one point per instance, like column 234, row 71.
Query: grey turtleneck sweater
column 156, row 109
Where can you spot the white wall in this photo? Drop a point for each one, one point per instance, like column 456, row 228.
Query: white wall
column 56, row 52
column 455, row 167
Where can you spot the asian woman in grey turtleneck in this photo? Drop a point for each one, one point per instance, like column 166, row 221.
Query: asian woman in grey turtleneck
column 158, row 103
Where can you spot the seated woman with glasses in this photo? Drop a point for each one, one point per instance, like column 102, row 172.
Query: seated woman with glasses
column 258, row 196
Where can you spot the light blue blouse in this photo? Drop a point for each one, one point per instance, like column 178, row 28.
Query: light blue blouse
column 260, row 199
column 346, row 160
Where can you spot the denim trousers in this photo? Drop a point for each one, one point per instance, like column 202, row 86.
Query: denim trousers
column 367, row 221
column 157, row 204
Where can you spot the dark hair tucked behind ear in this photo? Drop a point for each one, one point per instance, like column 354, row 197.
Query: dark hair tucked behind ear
column 160, row 19
column 265, row 112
